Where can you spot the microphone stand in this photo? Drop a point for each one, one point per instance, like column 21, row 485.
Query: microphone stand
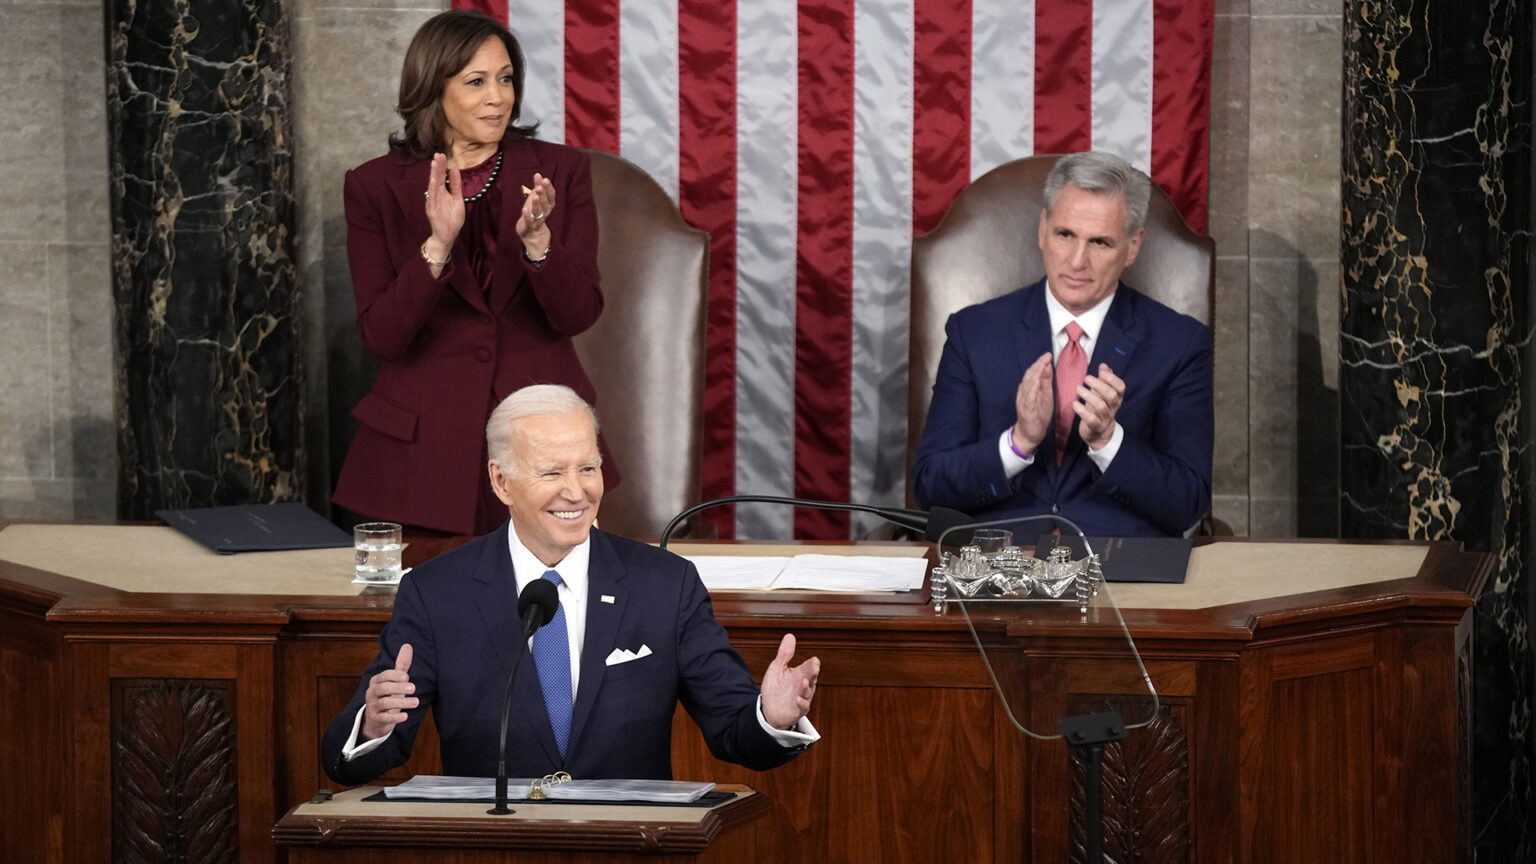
column 917, row 520
column 537, row 605
column 1088, row 733
column 501, row 808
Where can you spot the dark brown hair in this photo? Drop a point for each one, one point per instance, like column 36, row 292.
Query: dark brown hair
column 443, row 46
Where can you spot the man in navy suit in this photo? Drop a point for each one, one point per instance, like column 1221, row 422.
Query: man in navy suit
column 597, row 688
column 1023, row 422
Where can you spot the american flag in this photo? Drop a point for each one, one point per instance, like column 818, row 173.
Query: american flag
column 813, row 140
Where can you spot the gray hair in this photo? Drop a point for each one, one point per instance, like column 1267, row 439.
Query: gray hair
column 538, row 400
column 1102, row 174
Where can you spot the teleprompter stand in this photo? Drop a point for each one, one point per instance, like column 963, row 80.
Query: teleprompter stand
column 1087, row 734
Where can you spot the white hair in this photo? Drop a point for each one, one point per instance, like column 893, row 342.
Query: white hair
column 538, row 400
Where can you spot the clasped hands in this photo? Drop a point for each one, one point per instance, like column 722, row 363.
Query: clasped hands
column 787, row 692
column 1098, row 399
column 446, row 209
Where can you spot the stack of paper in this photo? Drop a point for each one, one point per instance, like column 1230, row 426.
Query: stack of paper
column 434, row 787
column 817, row 572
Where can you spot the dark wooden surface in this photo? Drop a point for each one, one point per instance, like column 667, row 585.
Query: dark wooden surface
column 525, row 835
column 1329, row 726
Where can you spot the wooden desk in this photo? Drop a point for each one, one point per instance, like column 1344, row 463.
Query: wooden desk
column 1314, row 707
column 348, row 829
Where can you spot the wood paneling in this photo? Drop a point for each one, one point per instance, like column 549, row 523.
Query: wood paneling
column 1291, row 729
column 174, row 771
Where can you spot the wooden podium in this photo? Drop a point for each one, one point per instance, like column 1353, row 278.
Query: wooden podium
column 1313, row 705
column 345, row 828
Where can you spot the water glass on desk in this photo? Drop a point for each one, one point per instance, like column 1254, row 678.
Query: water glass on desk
column 378, row 546
column 991, row 540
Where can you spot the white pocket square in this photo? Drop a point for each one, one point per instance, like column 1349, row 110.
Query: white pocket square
column 624, row 655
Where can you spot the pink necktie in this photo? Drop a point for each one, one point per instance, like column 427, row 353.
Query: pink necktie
column 1071, row 367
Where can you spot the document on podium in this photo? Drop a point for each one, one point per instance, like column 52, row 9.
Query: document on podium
column 437, row 787
column 256, row 527
column 811, row 571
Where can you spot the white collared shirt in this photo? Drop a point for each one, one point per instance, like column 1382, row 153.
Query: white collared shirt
column 572, row 590
column 1092, row 322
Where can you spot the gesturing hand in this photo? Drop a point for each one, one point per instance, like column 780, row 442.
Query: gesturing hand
column 1097, row 401
column 445, row 207
column 788, row 690
column 387, row 698
column 532, row 222
column 1035, row 404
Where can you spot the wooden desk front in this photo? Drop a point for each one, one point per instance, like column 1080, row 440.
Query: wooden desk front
column 1317, row 712
column 348, row 829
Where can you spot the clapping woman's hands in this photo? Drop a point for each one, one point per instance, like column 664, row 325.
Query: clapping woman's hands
column 445, row 209
column 531, row 223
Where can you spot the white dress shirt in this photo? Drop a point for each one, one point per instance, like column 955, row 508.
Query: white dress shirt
column 1092, row 322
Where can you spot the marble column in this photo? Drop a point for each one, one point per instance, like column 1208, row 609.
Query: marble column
column 207, row 353
column 1435, row 327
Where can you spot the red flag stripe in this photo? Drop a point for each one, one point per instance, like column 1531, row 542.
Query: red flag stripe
column 1181, row 103
column 1063, row 76
column 824, row 264
column 592, row 74
column 707, row 189
column 941, row 108
column 495, row 8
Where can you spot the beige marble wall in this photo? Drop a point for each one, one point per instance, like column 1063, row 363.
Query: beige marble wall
column 57, row 444
column 1276, row 105
column 1274, row 214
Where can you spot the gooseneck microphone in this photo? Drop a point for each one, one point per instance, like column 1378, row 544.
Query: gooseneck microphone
column 535, row 606
column 933, row 523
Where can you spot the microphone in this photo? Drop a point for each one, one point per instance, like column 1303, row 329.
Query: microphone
column 932, row 522
column 535, row 607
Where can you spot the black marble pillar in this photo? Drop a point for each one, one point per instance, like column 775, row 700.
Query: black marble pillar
column 207, row 350
column 1436, row 364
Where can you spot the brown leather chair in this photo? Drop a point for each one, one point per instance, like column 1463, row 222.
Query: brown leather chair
column 645, row 354
column 986, row 245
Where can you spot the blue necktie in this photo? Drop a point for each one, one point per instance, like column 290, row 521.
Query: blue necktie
column 552, row 658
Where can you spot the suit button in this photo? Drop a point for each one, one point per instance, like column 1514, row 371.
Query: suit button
column 485, row 319
column 483, row 355
column 1055, row 508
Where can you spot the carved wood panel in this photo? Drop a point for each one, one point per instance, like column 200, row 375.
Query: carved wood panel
column 174, row 794
column 1145, row 792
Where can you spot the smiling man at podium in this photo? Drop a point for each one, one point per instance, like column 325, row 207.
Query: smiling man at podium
column 596, row 687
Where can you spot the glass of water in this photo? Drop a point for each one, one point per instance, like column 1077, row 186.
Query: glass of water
column 378, row 546
column 991, row 540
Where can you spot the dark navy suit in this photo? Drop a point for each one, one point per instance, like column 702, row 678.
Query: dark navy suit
column 458, row 612
column 1160, row 481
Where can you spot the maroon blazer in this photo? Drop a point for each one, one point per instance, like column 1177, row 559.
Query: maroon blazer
column 448, row 349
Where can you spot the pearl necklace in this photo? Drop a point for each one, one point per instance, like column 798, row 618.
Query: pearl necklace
column 489, row 181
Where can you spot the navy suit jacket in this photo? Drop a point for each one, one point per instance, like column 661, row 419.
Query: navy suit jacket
column 1159, row 482
column 458, row 612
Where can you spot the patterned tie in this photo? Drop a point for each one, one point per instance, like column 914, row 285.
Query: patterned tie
column 552, row 658
column 1071, row 368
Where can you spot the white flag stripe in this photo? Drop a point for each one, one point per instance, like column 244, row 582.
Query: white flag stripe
column 540, row 31
column 767, row 117
column 882, row 241
column 1122, row 80
column 1002, row 67
column 648, row 75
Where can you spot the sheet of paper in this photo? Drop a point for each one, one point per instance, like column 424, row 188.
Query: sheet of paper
column 853, row 573
column 738, row 572
column 437, row 787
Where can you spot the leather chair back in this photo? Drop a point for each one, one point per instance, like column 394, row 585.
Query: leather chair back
column 645, row 354
column 987, row 245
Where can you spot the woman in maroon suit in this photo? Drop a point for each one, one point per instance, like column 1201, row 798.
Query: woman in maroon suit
column 473, row 250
